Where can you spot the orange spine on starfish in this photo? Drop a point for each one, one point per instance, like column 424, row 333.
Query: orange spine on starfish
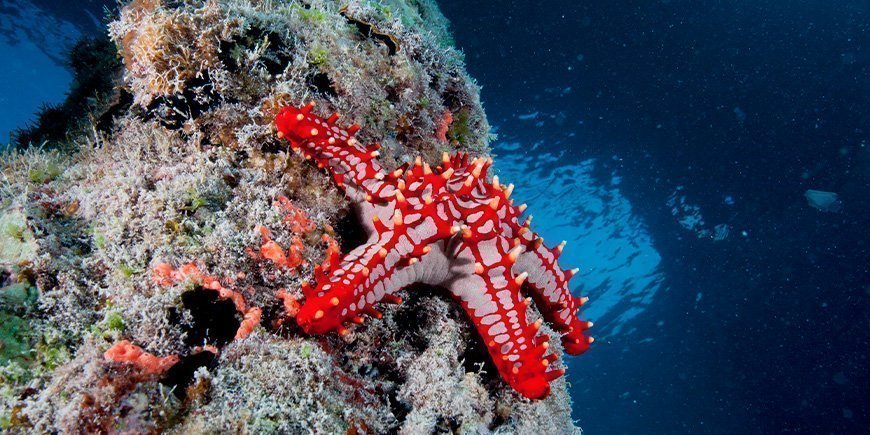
column 446, row 226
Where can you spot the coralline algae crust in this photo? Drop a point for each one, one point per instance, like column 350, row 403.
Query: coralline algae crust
column 161, row 222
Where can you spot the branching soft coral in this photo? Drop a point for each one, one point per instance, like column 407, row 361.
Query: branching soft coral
column 167, row 48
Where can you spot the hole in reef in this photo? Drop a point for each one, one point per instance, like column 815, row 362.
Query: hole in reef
column 5, row 277
column 275, row 320
column 498, row 420
column 399, row 409
column 214, row 321
column 121, row 102
column 180, row 376
column 272, row 147
column 274, row 58
column 446, row 425
column 174, row 110
column 322, row 84
column 393, row 95
column 350, row 231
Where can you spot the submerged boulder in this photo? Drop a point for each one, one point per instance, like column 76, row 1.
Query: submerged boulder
column 159, row 220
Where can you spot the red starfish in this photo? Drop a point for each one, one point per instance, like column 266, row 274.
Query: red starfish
column 446, row 226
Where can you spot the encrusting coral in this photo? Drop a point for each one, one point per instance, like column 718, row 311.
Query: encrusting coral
column 126, row 352
column 152, row 272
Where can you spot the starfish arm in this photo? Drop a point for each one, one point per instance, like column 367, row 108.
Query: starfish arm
column 491, row 297
column 346, row 292
column 369, row 275
column 548, row 285
column 336, row 149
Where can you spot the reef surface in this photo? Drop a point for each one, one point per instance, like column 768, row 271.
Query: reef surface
column 138, row 252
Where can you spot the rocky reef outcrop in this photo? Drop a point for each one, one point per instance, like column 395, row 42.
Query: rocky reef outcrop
column 173, row 222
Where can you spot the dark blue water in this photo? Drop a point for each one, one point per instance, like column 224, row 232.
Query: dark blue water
column 671, row 143
column 714, row 116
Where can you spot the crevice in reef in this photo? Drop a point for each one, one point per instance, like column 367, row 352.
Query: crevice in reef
column 274, row 58
column 275, row 320
column 119, row 104
column 350, row 231
column 371, row 31
column 446, row 425
column 173, row 111
column 399, row 409
column 475, row 358
column 321, row 83
column 407, row 318
column 213, row 321
column 181, row 375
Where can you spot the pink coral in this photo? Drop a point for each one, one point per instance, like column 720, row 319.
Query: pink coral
column 251, row 320
column 443, row 126
column 126, row 352
column 299, row 225
column 299, row 222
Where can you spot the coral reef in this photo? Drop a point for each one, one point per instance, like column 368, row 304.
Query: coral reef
column 151, row 258
column 446, row 227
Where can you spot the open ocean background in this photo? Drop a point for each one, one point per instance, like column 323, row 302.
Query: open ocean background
column 671, row 143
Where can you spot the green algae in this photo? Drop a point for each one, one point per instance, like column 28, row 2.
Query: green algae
column 319, row 56
column 99, row 240
column 18, row 297
column 17, row 243
column 460, row 129
column 15, row 339
column 112, row 325
column 51, row 351
column 310, row 14
column 127, row 271
column 45, row 173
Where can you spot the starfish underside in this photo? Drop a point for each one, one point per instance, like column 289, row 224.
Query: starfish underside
column 448, row 227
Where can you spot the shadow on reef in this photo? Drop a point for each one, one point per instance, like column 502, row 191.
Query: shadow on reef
column 173, row 111
column 413, row 330
column 350, row 232
column 96, row 68
column 180, row 376
column 212, row 320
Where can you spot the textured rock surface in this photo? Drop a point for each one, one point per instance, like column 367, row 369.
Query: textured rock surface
column 188, row 171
